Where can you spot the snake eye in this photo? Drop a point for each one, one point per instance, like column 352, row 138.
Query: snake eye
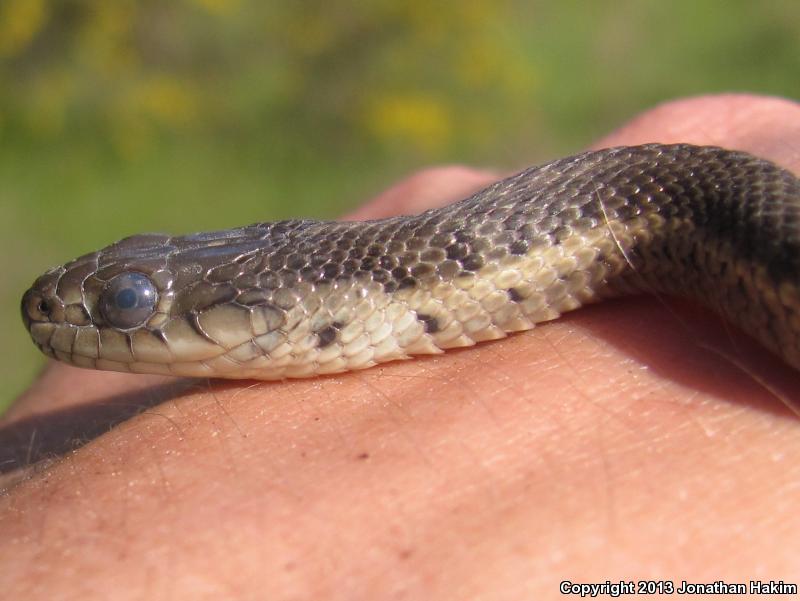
column 128, row 300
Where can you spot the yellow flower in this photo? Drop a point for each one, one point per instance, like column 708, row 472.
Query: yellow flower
column 167, row 100
column 219, row 7
column 419, row 119
column 20, row 21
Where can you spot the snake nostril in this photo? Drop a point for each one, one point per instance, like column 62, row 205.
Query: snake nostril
column 43, row 307
column 36, row 307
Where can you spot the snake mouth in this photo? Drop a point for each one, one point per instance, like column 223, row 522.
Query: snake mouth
column 54, row 340
column 67, row 343
column 41, row 334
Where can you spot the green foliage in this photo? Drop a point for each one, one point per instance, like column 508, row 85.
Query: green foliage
column 129, row 115
column 408, row 75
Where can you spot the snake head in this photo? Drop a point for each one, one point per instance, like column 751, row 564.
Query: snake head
column 88, row 310
column 154, row 304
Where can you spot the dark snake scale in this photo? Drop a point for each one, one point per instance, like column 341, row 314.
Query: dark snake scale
column 300, row 298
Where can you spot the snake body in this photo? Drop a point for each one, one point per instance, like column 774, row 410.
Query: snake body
column 300, row 298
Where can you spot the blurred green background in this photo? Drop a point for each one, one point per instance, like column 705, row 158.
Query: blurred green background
column 121, row 116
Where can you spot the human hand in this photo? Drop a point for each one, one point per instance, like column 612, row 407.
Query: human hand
column 627, row 440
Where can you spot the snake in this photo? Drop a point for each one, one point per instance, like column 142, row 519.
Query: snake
column 301, row 298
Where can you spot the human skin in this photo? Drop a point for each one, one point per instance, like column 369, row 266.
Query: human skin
column 636, row 439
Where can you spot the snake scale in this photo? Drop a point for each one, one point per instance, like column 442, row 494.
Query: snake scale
column 300, row 298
